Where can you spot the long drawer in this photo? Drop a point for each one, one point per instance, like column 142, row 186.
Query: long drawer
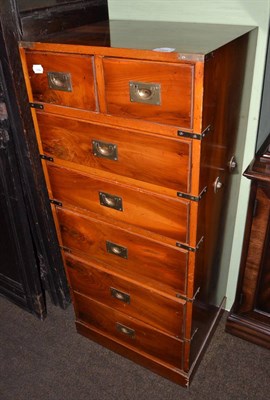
column 160, row 214
column 129, row 331
column 158, row 160
column 126, row 296
column 146, row 261
column 152, row 91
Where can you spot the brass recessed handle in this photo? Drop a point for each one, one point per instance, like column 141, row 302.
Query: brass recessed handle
column 60, row 81
column 232, row 164
column 111, row 201
column 104, row 149
column 116, row 249
column 125, row 330
column 117, row 294
column 57, row 82
column 217, row 185
column 143, row 92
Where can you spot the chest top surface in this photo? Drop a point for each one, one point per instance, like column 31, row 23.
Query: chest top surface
column 171, row 37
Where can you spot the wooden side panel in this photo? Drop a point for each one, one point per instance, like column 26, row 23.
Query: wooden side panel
column 176, row 90
column 131, row 332
column 140, row 209
column 136, row 155
column 126, row 296
column 79, row 71
column 148, row 262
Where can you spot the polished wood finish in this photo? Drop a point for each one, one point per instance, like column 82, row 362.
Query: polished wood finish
column 137, row 208
column 176, row 83
column 150, row 262
column 81, row 75
column 146, row 339
column 136, row 159
column 143, row 303
column 163, row 207
column 250, row 314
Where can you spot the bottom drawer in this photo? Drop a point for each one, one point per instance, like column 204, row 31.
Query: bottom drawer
column 124, row 295
column 131, row 332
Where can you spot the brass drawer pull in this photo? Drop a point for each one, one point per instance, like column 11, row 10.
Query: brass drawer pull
column 104, row 150
column 149, row 93
column 117, row 294
column 232, row 164
column 117, row 250
column 218, row 185
column 125, row 330
column 111, row 201
column 60, row 81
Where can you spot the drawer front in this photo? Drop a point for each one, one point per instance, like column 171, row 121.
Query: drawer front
column 154, row 309
column 144, row 260
column 62, row 79
column 135, row 334
column 164, row 162
column 153, row 91
column 160, row 214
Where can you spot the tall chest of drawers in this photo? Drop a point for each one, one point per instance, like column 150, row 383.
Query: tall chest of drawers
column 136, row 140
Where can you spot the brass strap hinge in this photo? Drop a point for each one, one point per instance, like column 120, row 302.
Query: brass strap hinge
column 193, row 334
column 66, row 249
column 47, row 158
column 190, row 248
column 193, row 135
column 188, row 300
column 56, row 202
column 37, row 106
column 190, row 197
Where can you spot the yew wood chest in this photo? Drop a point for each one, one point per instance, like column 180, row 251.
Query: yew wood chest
column 136, row 124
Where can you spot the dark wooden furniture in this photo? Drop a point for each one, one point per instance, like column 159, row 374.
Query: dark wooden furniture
column 137, row 144
column 250, row 315
column 31, row 262
column 19, row 277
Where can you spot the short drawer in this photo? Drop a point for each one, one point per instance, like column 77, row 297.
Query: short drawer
column 157, row 160
column 129, row 331
column 146, row 261
column 160, row 214
column 62, row 79
column 153, row 91
column 124, row 295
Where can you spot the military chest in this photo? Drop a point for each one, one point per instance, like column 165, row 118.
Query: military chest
column 137, row 144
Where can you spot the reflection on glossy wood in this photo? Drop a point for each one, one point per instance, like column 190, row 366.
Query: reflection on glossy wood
column 140, row 156
column 145, row 340
column 139, row 173
column 138, row 208
column 175, row 81
column 149, row 262
column 146, row 305
column 82, row 93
